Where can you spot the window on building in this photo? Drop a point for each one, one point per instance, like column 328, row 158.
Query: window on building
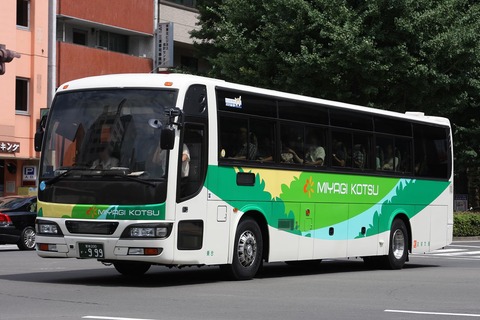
column 113, row 41
column 23, row 12
column 21, row 95
column 80, row 37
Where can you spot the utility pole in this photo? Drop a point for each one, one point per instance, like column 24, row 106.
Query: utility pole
column 52, row 50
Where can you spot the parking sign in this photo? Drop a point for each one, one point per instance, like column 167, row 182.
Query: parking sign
column 29, row 173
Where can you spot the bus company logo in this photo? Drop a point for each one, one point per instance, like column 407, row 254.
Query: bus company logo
column 234, row 103
column 92, row 212
column 308, row 187
column 339, row 188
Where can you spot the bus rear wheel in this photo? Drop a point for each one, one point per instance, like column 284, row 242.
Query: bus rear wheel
column 131, row 269
column 398, row 249
column 248, row 251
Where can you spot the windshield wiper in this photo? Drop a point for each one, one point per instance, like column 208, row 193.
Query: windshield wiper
column 64, row 174
column 126, row 177
column 96, row 172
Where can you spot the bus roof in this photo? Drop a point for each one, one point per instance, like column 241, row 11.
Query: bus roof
column 183, row 81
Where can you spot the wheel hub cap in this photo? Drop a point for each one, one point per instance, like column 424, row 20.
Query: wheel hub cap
column 398, row 244
column 247, row 249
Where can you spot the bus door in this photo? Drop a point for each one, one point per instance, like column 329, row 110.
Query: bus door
column 194, row 218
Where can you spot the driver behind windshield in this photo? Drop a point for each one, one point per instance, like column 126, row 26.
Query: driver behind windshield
column 105, row 159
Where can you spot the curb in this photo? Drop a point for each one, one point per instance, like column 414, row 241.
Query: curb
column 466, row 238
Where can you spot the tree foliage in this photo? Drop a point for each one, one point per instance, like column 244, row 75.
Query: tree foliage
column 418, row 55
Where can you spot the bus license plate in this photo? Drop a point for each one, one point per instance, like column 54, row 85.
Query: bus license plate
column 91, row 250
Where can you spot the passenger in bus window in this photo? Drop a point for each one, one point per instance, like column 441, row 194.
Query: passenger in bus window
column 358, row 156
column 185, row 161
column 264, row 152
column 288, row 155
column 338, row 157
column 379, row 158
column 391, row 161
column 315, row 154
column 248, row 145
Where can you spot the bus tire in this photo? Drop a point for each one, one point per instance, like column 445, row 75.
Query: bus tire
column 247, row 253
column 398, row 248
column 131, row 269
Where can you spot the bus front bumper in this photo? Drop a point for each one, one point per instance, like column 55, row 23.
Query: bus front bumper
column 155, row 251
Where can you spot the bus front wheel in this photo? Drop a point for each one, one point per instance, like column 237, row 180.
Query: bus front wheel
column 131, row 269
column 248, row 251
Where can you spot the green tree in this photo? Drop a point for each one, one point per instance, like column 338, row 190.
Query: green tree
column 417, row 55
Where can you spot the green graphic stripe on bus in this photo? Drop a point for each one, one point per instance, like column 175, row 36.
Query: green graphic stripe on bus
column 112, row 212
column 309, row 203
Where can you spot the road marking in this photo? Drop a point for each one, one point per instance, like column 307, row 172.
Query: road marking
column 436, row 256
column 113, row 318
column 8, row 247
column 472, row 252
column 447, row 251
column 436, row 313
column 464, row 246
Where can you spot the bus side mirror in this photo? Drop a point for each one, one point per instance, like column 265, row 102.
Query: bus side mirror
column 167, row 138
column 38, row 140
column 40, row 131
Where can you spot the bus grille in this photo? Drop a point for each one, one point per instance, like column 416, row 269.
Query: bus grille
column 89, row 227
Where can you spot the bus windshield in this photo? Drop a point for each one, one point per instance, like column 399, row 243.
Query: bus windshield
column 107, row 131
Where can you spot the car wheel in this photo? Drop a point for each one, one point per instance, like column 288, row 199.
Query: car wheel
column 27, row 239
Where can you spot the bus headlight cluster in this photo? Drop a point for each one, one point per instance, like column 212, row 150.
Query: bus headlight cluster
column 148, row 232
column 48, row 228
column 159, row 231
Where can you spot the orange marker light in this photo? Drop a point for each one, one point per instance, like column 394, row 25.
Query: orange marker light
column 65, row 87
column 151, row 251
column 168, row 84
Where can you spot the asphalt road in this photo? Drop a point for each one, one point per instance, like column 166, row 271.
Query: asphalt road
column 442, row 285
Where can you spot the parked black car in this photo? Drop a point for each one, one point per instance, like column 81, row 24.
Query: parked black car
column 17, row 221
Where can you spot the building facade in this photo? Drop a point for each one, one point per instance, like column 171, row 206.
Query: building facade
column 97, row 37
column 181, row 16
column 91, row 37
column 23, row 92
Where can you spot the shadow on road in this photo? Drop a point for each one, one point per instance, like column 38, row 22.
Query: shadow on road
column 163, row 277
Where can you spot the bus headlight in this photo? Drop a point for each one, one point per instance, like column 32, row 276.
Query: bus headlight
column 48, row 228
column 160, row 231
